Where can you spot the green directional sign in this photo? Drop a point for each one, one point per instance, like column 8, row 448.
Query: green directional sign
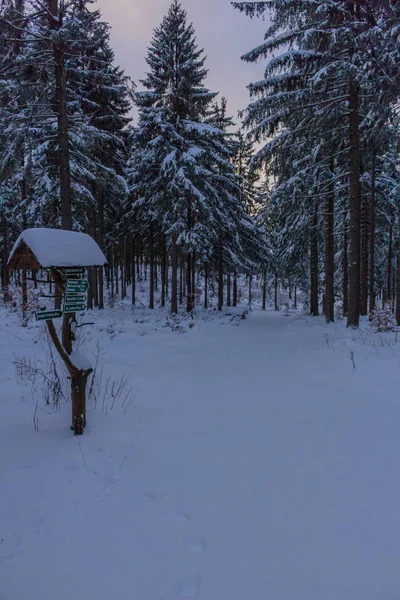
column 73, row 298
column 77, row 286
column 49, row 315
column 75, row 271
column 74, row 307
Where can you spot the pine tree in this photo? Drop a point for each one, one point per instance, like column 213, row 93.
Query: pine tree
column 314, row 97
column 184, row 180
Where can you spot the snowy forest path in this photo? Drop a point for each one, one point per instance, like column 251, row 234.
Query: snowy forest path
column 258, row 464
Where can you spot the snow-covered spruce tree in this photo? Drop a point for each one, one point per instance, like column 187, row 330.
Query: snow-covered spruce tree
column 330, row 48
column 100, row 95
column 14, row 162
column 239, row 246
column 184, row 182
column 249, row 178
column 97, row 101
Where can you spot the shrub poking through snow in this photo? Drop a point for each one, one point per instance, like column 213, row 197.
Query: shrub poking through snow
column 383, row 319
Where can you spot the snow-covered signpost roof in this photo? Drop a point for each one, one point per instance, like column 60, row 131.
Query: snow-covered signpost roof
column 66, row 254
column 46, row 248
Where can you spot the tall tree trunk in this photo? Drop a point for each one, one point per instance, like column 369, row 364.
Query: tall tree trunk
column 345, row 272
column 24, row 272
column 62, row 117
column 181, row 279
column 5, row 275
column 389, row 266
column 228, row 290
column 122, row 258
column 96, row 287
column 220, row 277
column 276, row 293
column 63, row 147
column 364, row 271
column 314, row 295
column 90, row 290
column 235, row 289
column 116, row 268
column 398, row 285
column 250, row 288
column 206, row 288
column 264, row 290
column 194, row 279
column 330, row 252
column 101, row 243
column 112, row 269
column 189, row 282
column 174, row 275
column 372, row 293
column 164, row 273
column 133, row 272
column 353, row 317
column 151, row 303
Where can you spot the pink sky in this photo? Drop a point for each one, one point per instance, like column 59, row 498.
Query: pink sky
column 224, row 33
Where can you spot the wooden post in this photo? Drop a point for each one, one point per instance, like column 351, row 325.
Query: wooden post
column 79, row 379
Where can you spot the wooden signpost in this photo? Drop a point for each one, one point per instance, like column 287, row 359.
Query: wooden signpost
column 76, row 297
column 66, row 254
column 48, row 315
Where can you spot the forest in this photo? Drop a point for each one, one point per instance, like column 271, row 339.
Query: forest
column 299, row 192
column 199, row 305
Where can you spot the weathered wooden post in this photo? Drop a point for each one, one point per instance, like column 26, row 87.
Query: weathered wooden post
column 66, row 254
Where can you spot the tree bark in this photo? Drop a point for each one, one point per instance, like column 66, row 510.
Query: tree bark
column 345, row 273
column 174, row 276
column 5, row 275
column 389, row 266
column 62, row 117
column 372, row 292
column 78, row 383
column 330, row 252
column 276, row 293
column 133, row 272
column 264, row 291
column 151, row 302
column 189, row 282
column 164, row 272
column 398, row 285
column 250, row 288
column 101, row 243
column 229, row 290
column 364, row 270
column 90, row 290
column 353, row 317
column 235, row 289
column 206, row 288
column 220, row 277
column 314, row 271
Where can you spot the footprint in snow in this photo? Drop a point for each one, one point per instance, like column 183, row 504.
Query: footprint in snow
column 42, row 530
column 195, row 544
column 7, row 558
column 152, row 497
column 183, row 517
column 25, row 467
column 190, row 587
column 72, row 467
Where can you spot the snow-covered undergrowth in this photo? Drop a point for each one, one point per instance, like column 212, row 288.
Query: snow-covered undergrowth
column 254, row 459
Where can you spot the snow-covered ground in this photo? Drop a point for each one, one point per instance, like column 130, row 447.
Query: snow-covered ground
column 251, row 462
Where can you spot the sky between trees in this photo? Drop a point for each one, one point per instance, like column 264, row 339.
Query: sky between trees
column 223, row 32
